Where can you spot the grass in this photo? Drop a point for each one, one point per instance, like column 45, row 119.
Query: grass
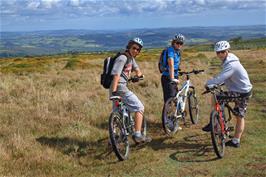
column 54, row 119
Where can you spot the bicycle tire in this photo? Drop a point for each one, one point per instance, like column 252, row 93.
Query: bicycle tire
column 118, row 137
column 218, row 140
column 193, row 106
column 169, row 122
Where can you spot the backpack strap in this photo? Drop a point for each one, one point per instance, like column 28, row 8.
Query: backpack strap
column 129, row 58
column 165, row 60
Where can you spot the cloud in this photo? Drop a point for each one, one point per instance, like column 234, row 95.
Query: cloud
column 92, row 8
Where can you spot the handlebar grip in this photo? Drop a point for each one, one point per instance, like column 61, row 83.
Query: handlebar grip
column 205, row 92
column 198, row 71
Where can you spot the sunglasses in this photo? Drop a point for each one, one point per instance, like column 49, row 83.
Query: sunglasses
column 136, row 48
column 223, row 51
column 180, row 43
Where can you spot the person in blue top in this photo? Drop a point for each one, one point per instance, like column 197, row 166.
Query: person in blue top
column 171, row 59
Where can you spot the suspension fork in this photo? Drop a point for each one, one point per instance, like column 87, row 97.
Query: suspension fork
column 220, row 111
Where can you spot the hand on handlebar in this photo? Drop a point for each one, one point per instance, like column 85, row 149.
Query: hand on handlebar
column 136, row 78
column 174, row 81
column 198, row 71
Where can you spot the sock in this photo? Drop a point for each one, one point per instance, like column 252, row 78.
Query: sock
column 137, row 133
column 236, row 140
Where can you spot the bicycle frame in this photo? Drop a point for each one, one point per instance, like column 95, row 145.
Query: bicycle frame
column 125, row 114
column 220, row 108
column 184, row 89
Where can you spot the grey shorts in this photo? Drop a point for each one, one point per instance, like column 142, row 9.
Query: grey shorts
column 240, row 100
column 133, row 103
column 129, row 99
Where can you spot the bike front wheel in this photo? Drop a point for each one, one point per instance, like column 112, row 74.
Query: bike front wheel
column 193, row 106
column 171, row 116
column 118, row 136
column 217, row 136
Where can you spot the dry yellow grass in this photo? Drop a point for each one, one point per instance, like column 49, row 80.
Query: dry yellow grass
column 53, row 121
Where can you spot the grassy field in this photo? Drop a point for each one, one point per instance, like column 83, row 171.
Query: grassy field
column 54, row 119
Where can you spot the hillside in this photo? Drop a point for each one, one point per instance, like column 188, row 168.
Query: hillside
column 68, row 41
column 54, row 119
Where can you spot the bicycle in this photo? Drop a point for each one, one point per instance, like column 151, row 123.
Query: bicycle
column 174, row 107
column 221, row 127
column 121, row 126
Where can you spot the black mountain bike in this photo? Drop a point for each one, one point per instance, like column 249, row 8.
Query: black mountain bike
column 121, row 126
column 174, row 108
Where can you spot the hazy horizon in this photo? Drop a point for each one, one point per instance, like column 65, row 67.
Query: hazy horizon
column 128, row 29
column 39, row 15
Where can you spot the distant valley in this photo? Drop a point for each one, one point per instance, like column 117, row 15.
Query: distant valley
column 16, row 44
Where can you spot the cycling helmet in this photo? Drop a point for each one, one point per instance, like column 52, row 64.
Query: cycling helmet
column 137, row 41
column 179, row 38
column 221, row 45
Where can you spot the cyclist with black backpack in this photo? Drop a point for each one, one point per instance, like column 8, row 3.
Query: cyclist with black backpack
column 171, row 58
column 122, row 68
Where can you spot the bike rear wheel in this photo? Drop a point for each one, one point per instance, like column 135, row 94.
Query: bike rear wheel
column 193, row 106
column 171, row 116
column 217, row 136
column 118, row 136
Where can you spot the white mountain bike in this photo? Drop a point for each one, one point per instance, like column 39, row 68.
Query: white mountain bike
column 174, row 107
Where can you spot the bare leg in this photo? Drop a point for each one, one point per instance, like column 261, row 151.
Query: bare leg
column 240, row 125
column 138, row 121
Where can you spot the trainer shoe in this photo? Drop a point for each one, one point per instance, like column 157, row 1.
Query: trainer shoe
column 179, row 128
column 141, row 139
column 207, row 128
column 230, row 143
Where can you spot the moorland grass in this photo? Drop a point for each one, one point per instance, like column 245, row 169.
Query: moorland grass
column 54, row 120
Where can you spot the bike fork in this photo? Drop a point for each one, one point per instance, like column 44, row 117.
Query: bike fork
column 221, row 120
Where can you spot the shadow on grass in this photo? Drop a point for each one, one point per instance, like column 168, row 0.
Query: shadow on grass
column 193, row 149
column 76, row 148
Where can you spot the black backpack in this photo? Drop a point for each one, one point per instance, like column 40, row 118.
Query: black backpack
column 161, row 64
column 106, row 77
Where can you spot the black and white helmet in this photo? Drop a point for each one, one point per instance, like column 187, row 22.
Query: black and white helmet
column 179, row 38
column 221, row 45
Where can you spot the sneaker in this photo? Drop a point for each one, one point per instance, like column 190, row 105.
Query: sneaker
column 207, row 128
column 141, row 139
column 230, row 143
column 179, row 128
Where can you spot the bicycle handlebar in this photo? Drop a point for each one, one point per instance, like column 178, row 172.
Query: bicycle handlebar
column 136, row 78
column 190, row 72
column 212, row 88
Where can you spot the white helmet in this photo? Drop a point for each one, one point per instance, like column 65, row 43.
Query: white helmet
column 221, row 45
column 137, row 41
column 179, row 38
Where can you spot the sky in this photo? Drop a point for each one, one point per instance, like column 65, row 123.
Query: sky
column 32, row 15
